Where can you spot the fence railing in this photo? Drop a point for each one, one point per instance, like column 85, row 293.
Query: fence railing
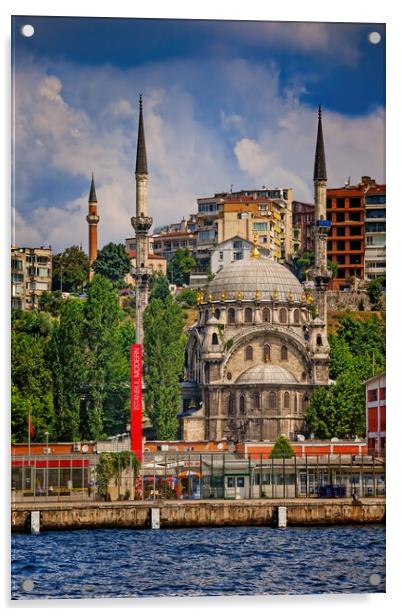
column 199, row 476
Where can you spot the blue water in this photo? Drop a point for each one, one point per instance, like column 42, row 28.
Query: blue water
column 187, row 562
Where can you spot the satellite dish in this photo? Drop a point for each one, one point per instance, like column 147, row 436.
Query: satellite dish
column 158, row 458
column 85, row 448
column 220, row 445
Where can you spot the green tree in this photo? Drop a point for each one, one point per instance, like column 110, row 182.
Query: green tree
column 282, row 448
column 158, row 287
column 31, row 378
column 70, row 270
column 321, row 414
column 51, row 302
column 179, row 267
column 333, row 267
column 108, row 368
column 187, row 297
column 113, row 263
column 374, row 290
column 68, row 358
column 164, row 344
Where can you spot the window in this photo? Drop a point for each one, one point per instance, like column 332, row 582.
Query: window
column 217, row 313
column 340, row 203
column 372, row 395
column 17, row 277
column 16, row 264
column 375, row 213
column 296, row 316
column 329, row 245
column 266, row 315
column 230, row 405
column 355, row 245
column 340, row 217
column 237, row 256
column 237, row 244
column 340, row 231
column 283, row 317
column 206, row 317
column 375, row 199
column 248, row 353
column 242, row 406
column 355, row 259
column 354, row 216
column 382, row 393
column 248, row 315
column 284, row 353
column 267, row 353
column 272, row 400
column 375, row 227
column 215, row 339
column 264, row 239
column 354, row 202
column 221, row 255
column 340, row 245
column 231, row 316
column 260, row 226
column 256, row 400
column 43, row 272
column 295, row 403
column 356, row 230
column 286, row 400
column 319, row 340
column 340, row 259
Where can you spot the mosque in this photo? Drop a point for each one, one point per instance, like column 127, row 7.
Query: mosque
column 259, row 346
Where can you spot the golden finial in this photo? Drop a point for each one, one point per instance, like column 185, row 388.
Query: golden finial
column 310, row 299
column 255, row 253
column 257, row 295
column 210, row 297
column 198, row 298
column 303, row 296
column 276, row 295
column 290, row 296
column 223, row 296
column 238, row 296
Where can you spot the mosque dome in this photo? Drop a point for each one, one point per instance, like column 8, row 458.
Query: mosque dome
column 246, row 276
column 267, row 374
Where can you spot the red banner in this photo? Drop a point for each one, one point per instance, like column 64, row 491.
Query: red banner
column 136, row 400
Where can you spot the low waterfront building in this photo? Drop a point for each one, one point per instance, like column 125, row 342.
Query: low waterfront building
column 376, row 414
column 31, row 275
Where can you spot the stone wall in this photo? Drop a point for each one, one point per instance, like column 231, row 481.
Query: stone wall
column 349, row 300
column 179, row 514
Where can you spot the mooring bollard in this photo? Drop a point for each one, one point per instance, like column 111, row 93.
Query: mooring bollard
column 155, row 518
column 35, row 521
column 282, row 517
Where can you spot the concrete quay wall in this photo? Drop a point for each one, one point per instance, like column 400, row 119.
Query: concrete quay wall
column 181, row 514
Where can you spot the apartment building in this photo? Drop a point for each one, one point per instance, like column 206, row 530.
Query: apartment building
column 31, row 275
column 375, row 220
column 303, row 227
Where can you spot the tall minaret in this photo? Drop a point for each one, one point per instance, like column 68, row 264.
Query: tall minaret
column 141, row 223
column 321, row 274
column 92, row 220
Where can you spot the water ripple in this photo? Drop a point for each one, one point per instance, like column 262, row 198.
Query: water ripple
column 192, row 562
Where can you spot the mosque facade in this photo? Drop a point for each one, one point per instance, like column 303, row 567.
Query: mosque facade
column 259, row 346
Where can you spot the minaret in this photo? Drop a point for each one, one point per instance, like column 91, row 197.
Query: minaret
column 92, row 220
column 321, row 274
column 141, row 223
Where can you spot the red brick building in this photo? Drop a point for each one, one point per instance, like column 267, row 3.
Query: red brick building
column 346, row 242
column 376, row 414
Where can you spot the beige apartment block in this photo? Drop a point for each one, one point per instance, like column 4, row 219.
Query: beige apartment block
column 31, row 275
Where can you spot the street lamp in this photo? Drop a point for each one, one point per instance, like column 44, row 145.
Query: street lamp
column 47, row 464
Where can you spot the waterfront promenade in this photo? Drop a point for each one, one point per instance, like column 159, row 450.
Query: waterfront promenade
column 201, row 513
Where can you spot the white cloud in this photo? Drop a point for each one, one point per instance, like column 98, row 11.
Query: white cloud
column 208, row 125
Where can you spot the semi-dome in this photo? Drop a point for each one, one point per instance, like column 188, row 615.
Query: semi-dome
column 266, row 374
column 272, row 280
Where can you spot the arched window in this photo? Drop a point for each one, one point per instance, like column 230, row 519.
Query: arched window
column 267, row 353
column 319, row 340
column 286, row 400
column 248, row 315
column 283, row 317
column 215, row 339
column 296, row 403
column 230, row 405
column 266, row 315
column 305, row 402
column 284, row 353
column 296, row 316
column 272, row 400
column 231, row 316
column 242, row 406
column 256, row 400
column 248, row 353
column 217, row 313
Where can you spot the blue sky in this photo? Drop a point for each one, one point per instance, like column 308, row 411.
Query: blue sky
column 226, row 103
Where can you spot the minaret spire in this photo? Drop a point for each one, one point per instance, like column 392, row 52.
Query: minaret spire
column 141, row 163
column 92, row 220
column 320, row 169
column 141, row 222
